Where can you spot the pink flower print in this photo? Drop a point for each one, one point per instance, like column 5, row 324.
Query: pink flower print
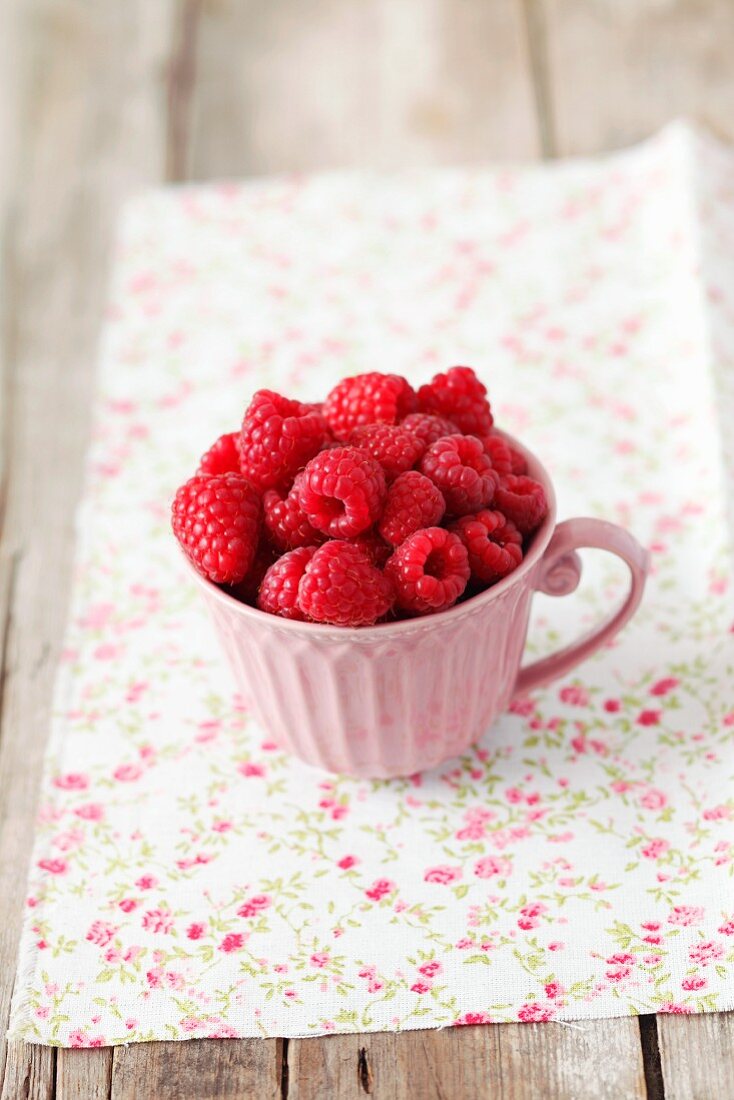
column 664, row 686
column 43, row 1012
column 704, row 953
column 100, row 933
column 71, row 781
column 686, row 915
column 90, row 811
column 612, row 706
column 650, row 925
column 620, row 967
column 107, row 652
column 320, row 959
column 196, row 930
column 420, row 987
column 653, row 799
column 693, row 983
column 530, row 914
column 253, row 906
column 127, row 773
column 430, row 969
column 513, row 795
column 655, row 848
column 347, row 861
column 158, row 920
column 128, row 904
column 131, row 1024
column 553, row 990
column 191, row 1023
column 78, row 1038
column 442, row 874
column 463, row 943
column 574, row 695
column 532, row 1013
column 474, row 830
column 251, row 771
column 469, row 1019
column 489, row 866
column 718, row 813
column 336, row 810
column 54, row 866
column 380, row 888
column 232, row 942
column 146, row 882
column 556, row 945
column 727, row 928
column 523, row 707
column 649, row 717
column 66, row 842
column 675, row 1009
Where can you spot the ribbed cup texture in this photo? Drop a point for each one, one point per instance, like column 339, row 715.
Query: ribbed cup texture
column 379, row 702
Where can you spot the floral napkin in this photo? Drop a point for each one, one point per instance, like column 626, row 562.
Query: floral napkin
column 189, row 879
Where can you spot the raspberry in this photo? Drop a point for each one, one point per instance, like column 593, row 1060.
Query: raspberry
column 413, row 502
column 499, row 453
column 247, row 589
column 493, row 543
column 278, row 437
column 519, row 465
column 341, row 586
column 377, row 548
column 216, row 518
column 428, row 428
column 278, row 592
column 461, row 397
column 395, row 449
column 368, row 399
column 522, row 500
column 285, row 521
column 342, row 491
column 223, row 457
column 430, row 570
column 462, row 471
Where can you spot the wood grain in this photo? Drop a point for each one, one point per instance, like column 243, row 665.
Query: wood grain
column 620, row 69
column 200, row 1069
column 91, row 129
column 83, row 1074
column 697, row 1056
column 374, row 83
column 512, row 1062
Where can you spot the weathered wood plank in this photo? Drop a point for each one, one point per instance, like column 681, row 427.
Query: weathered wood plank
column 207, row 1070
column 618, row 70
column 29, row 1073
column 510, row 1061
column 355, row 83
column 91, row 127
column 697, row 1056
column 83, row 1074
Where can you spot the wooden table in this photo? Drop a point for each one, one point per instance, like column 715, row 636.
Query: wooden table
column 100, row 97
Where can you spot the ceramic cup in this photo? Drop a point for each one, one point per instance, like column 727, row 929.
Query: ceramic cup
column 397, row 698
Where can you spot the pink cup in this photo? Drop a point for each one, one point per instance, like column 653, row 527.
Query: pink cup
column 397, row 698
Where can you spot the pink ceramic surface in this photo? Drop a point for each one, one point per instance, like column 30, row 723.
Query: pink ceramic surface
column 397, row 698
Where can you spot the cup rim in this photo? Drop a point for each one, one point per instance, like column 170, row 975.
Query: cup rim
column 384, row 630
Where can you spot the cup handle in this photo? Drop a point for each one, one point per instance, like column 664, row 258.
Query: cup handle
column 558, row 574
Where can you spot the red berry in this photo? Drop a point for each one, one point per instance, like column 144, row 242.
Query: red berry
column 378, row 550
column 499, row 453
column 278, row 437
column 462, row 471
column 493, row 543
column 395, row 449
column 461, row 397
column 278, row 592
column 286, row 522
column 368, row 399
column 216, row 518
column 428, row 428
column 522, row 500
column 247, row 589
column 519, row 463
column 430, row 570
column 342, row 491
column 413, row 502
column 223, row 457
column 341, row 586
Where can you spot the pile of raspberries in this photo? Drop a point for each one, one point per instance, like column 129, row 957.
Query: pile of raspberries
column 382, row 503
